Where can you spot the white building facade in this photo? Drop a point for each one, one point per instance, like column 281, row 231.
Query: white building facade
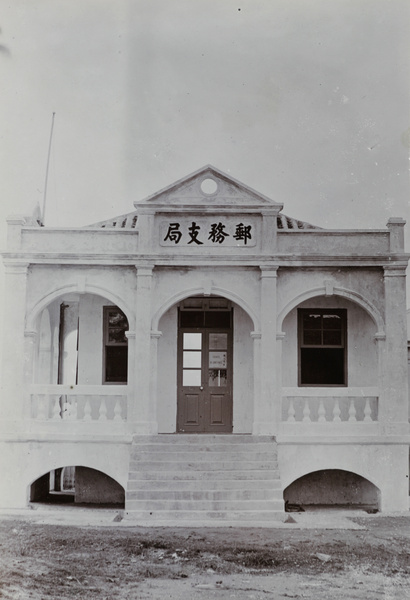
column 207, row 321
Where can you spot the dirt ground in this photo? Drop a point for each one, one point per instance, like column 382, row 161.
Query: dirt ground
column 40, row 561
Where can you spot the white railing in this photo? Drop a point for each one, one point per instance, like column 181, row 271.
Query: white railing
column 78, row 403
column 350, row 405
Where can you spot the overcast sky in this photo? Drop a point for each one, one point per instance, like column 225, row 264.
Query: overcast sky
column 307, row 101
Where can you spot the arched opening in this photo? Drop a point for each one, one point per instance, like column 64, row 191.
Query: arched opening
column 205, row 357
column 332, row 488
column 78, row 486
column 329, row 341
column 81, row 340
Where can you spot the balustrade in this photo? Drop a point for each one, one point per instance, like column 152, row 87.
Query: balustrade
column 78, row 403
column 329, row 409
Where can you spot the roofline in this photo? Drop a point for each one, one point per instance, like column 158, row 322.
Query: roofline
column 216, row 171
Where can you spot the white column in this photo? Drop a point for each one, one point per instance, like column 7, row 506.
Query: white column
column 153, row 417
column 13, row 389
column 131, row 383
column 265, row 404
column 142, row 412
column 393, row 404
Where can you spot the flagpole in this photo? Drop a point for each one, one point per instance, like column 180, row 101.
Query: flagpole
column 43, row 215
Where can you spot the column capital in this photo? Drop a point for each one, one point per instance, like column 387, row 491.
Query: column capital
column 30, row 333
column 130, row 335
column 269, row 270
column 156, row 334
column 256, row 335
column 144, row 269
column 397, row 270
column 13, row 267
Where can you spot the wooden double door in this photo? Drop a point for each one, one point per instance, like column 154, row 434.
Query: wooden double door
column 205, row 371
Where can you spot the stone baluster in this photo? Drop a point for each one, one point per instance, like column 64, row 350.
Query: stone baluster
column 306, row 411
column 103, row 410
column 352, row 411
column 321, row 412
column 117, row 410
column 367, row 411
column 87, row 410
column 336, row 411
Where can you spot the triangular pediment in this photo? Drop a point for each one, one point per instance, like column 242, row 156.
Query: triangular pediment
column 208, row 187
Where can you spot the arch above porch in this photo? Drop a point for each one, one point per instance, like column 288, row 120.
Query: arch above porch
column 201, row 291
column 351, row 295
column 76, row 288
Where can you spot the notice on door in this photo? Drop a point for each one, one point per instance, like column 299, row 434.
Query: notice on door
column 217, row 360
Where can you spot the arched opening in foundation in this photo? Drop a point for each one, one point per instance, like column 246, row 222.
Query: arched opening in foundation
column 331, row 488
column 78, row 486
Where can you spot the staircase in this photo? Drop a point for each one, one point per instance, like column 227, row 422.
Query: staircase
column 196, row 480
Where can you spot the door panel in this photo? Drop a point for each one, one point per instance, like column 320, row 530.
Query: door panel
column 204, row 379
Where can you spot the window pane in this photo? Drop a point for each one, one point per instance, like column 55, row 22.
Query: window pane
column 217, row 377
column 117, row 319
column 191, row 318
column 192, row 341
column 116, row 336
column 116, row 358
column 332, row 338
column 332, row 321
column 217, row 360
column 191, row 378
column 312, row 320
column 192, row 359
column 218, row 341
column 322, row 366
column 312, row 337
column 218, row 319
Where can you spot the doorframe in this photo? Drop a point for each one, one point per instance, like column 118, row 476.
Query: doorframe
column 204, row 304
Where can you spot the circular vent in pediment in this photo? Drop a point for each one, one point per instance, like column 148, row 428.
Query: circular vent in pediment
column 209, row 186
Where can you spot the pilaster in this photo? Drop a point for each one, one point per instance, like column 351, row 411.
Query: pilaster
column 265, row 422
column 142, row 411
column 393, row 406
column 14, row 357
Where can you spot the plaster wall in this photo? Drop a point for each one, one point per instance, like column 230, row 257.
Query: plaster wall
column 31, row 460
column 361, row 346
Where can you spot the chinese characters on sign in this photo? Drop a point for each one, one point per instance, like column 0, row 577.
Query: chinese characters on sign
column 216, row 233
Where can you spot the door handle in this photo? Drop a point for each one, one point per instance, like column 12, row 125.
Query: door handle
column 201, row 387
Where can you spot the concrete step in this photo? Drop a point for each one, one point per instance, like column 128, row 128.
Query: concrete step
column 203, row 455
column 201, row 465
column 205, row 495
column 206, row 447
column 199, row 517
column 204, row 505
column 194, row 475
column 193, row 485
column 201, row 439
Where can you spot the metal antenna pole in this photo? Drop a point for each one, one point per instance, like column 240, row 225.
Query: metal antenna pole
column 43, row 215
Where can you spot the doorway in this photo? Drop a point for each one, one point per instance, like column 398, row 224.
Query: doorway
column 205, row 365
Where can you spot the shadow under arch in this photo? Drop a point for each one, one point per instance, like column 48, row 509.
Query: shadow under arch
column 332, row 487
column 337, row 291
column 217, row 291
column 86, row 486
column 74, row 288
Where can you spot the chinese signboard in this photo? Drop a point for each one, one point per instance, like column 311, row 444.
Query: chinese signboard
column 198, row 231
